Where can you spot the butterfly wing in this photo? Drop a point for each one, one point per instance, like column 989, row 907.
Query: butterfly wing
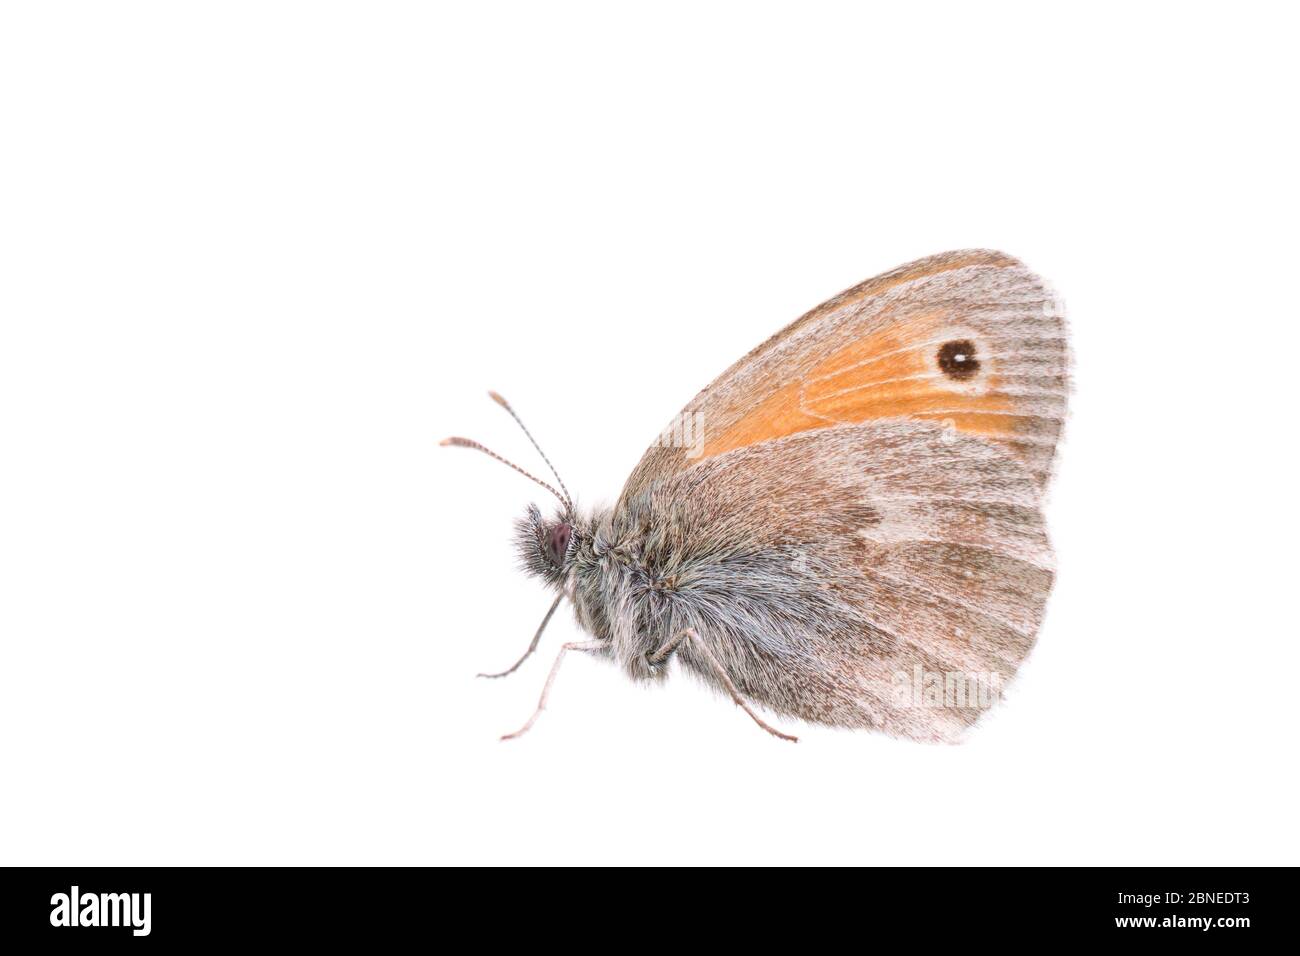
column 889, row 575
column 972, row 340
column 854, row 506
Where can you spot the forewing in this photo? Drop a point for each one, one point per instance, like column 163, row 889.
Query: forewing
column 971, row 340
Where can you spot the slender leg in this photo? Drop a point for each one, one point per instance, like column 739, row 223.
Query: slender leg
column 533, row 646
column 546, row 690
column 688, row 634
column 661, row 655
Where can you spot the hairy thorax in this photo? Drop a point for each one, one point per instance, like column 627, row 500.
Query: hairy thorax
column 640, row 577
column 619, row 593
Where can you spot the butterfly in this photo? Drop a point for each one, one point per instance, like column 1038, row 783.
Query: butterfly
column 846, row 527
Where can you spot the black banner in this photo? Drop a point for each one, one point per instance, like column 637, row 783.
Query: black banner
column 136, row 907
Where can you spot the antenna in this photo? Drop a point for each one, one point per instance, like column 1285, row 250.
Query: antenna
column 518, row 421
column 467, row 443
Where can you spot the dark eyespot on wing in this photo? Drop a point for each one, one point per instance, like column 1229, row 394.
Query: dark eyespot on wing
column 958, row 359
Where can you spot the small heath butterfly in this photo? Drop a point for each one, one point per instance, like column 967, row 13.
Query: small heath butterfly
column 846, row 527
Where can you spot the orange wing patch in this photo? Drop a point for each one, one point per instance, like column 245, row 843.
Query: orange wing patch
column 926, row 368
column 971, row 340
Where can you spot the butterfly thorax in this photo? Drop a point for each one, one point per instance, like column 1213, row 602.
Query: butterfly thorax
column 639, row 576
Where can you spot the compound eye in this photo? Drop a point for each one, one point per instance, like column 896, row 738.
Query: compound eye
column 557, row 544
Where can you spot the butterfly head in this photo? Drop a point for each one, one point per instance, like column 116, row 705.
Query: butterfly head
column 547, row 546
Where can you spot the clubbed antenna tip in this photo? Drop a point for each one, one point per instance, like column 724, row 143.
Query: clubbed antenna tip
column 566, row 497
column 458, row 442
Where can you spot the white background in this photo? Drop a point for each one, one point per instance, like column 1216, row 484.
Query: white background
column 257, row 259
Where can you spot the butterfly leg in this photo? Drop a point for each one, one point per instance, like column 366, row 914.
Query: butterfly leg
column 689, row 634
column 533, row 646
column 546, row 690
